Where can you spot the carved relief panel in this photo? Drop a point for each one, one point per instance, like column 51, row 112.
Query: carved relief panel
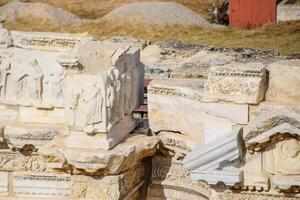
column 31, row 78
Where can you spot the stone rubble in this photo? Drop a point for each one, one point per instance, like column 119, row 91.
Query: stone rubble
column 228, row 128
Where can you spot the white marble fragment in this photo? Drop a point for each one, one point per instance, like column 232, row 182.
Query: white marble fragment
column 239, row 83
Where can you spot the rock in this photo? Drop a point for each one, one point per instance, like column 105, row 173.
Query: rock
column 239, row 83
column 129, row 41
column 284, row 81
column 157, row 13
column 103, row 162
column 16, row 10
column 177, row 60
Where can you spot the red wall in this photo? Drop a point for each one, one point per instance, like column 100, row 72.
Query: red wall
column 248, row 14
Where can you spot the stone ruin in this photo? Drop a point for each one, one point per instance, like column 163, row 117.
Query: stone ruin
column 68, row 131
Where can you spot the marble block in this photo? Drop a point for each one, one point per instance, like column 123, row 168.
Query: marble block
column 46, row 41
column 176, row 105
column 284, row 81
column 171, row 104
column 217, row 161
column 105, row 140
column 3, row 184
column 41, row 185
column 240, row 83
column 90, row 87
column 19, row 135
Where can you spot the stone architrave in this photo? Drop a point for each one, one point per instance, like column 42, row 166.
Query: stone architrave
column 45, row 185
column 17, row 136
column 241, row 83
column 46, row 41
column 217, row 161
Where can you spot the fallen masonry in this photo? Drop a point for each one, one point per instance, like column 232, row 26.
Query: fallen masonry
column 67, row 129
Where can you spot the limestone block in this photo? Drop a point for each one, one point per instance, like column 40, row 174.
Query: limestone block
column 244, row 83
column 254, row 176
column 99, row 98
column 34, row 115
column 284, row 81
column 287, row 157
column 102, row 140
column 5, row 38
column 177, row 145
column 100, row 161
column 7, row 113
column 112, row 187
column 170, row 180
column 174, row 102
column 272, row 140
column 216, row 127
column 27, row 79
column 236, row 113
column 3, row 184
column 46, row 41
column 171, row 104
column 271, row 121
column 45, row 185
column 15, row 161
column 17, row 136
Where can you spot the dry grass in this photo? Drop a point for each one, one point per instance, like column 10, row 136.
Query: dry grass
column 97, row 8
column 283, row 37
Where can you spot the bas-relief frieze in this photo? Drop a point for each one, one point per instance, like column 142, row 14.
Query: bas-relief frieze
column 26, row 79
column 244, row 83
column 15, row 161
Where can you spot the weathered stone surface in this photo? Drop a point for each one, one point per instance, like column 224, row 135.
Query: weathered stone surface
column 41, row 185
column 167, row 98
column 102, row 140
column 5, row 38
column 19, row 135
column 240, row 83
column 7, row 113
column 284, row 81
column 272, row 140
column 177, row 60
column 100, row 161
column 3, row 184
column 175, row 144
column 46, row 41
column 16, row 161
column 171, row 181
column 176, row 105
column 217, row 161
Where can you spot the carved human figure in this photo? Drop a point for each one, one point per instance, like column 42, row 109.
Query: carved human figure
column 287, row 157
column 74, row 104
column 35, row 81
column 113, row 94
column 5, row 69
column 93, row 99
column 56, row 86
